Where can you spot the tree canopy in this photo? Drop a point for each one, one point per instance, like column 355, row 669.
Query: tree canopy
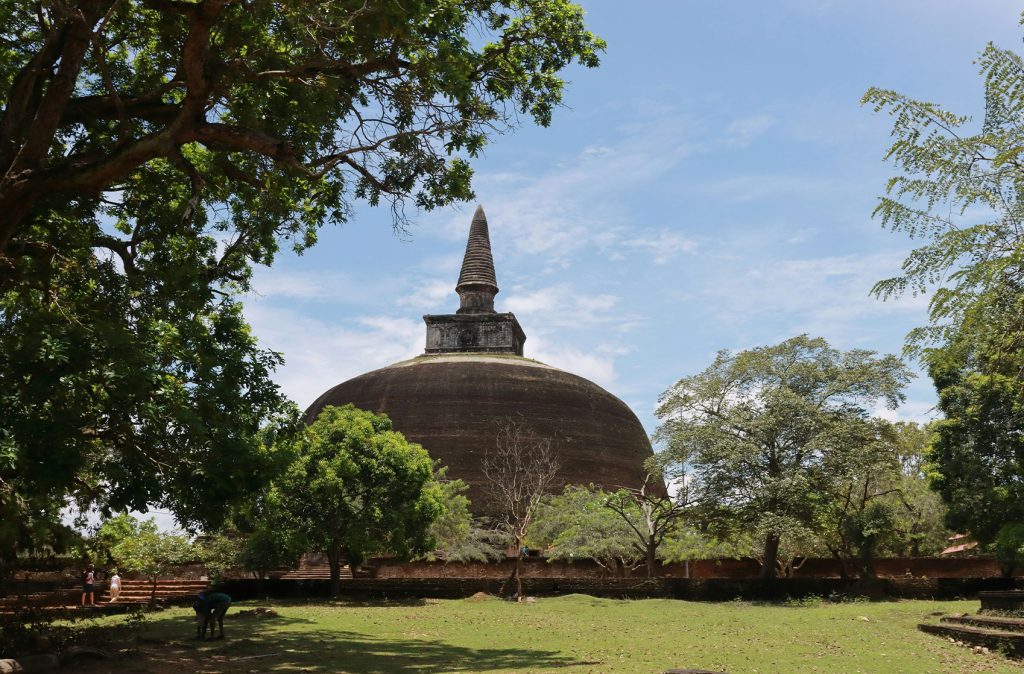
column 761, row 432
column 958, row 191
column 578, row 524
column 152, row 152
column 357, row 487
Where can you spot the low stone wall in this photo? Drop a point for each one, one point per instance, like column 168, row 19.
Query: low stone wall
column 539, row 567
column 716, row 589
column 1005, row 601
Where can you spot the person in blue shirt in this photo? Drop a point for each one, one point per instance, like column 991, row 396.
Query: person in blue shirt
column 210, row 607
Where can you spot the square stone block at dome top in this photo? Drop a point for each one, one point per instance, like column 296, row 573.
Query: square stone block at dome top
column 474, row 333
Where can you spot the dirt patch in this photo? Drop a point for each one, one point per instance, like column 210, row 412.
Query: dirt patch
column 258, row 612
column 481, row 596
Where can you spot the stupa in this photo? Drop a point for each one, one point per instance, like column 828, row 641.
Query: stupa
column 472, row 377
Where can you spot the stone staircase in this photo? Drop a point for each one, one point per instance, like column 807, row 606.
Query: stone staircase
column 993, row 632
column 138, row 591
column 315, row 570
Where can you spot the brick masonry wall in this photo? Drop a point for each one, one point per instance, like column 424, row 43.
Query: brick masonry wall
column 711, row 589
column 537, row 567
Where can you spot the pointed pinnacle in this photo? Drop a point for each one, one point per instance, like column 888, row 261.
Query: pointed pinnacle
column 478, row 263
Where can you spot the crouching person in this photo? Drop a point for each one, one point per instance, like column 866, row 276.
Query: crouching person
column 210, row 607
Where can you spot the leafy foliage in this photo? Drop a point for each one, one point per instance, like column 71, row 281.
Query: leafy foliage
column 977, row 455
column 221, row 553
column 1008, row 546
column 959, row 192
column 153, row 151
column 151, row 553
column 357, row 487
column 459, row 537
column 577, row 524
column 650, row 517
column 109, row 534
column 761, row 432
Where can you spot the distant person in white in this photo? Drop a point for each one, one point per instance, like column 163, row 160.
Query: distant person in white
column 115, row 586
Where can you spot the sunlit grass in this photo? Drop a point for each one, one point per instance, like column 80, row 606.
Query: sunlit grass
column 565, row 634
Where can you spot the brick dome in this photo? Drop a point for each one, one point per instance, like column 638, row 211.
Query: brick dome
column 472, row 379
column 453, row 404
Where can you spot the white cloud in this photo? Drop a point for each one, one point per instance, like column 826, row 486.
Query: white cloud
column 662, row 247
column 431, row 295
column 304, row 285
column 827, row 296
column 913, row 410
column 754, row 187
column 741, row 132
column 577, row 203
column 561, row 306
column 597, row 368
column 321, row 353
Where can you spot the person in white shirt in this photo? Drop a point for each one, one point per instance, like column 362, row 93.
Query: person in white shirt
column 115, row 586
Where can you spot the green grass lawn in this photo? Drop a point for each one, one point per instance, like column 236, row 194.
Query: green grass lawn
column 565, row 634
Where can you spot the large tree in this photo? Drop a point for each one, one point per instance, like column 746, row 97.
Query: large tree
column 977, row 456
column 358, row 487
column 959, row 192
column 281, row 112
column 758, row 430
column 152, row 151
column 151, row 553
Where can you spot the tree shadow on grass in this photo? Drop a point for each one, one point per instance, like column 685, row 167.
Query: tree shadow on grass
column 289, row 645
column 331, row 651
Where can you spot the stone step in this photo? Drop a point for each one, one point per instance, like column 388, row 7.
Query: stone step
column 166, row 586
column 1011, row 643
column 316, row 572
column 1015, row 625
column 145, row 595
column 163, row 583
column 140, row 590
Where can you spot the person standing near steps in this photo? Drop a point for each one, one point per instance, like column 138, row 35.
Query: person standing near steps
column 115, row 586
column 88, row 585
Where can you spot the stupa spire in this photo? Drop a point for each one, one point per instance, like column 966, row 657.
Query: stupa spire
column 475, row 327
column 477, row 284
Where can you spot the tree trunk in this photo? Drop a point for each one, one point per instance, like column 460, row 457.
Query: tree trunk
column 152, row 593
column 651, row 560
column 867, row 567
column 771, row 556
column 517, row 573
column 334, row 559
column 844, row 565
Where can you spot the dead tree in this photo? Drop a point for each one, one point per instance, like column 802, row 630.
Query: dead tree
column 520, row 469
column 651, row 518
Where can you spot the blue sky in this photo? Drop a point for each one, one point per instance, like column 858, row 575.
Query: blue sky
column 709, row 186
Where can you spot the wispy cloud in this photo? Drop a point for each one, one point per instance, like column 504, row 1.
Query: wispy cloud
column 577, row 203
column 430, row 295
column 741, row 132
column 757, row 187
column 598, row 368
column 317, row 285
column 828, row 296
column 561, row 305
column 663, row 246
column 322, row 353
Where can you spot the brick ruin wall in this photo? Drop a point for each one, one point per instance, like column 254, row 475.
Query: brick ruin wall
column 536, row 567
